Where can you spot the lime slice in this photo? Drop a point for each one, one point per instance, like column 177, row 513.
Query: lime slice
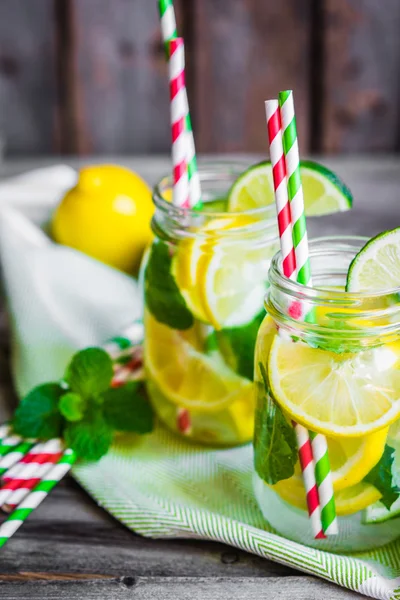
column 324, row 192
column 377, row 266
column 185, row 376
column 360, row 391
column 377, row 513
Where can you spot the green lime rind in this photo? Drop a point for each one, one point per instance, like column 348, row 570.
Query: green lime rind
column 377, row 513
column 376, row 267
column 248, row 192
column 330, row 176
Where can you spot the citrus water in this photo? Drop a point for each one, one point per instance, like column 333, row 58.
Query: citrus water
column 336, row 372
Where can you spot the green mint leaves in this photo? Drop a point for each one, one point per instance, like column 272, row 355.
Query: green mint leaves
column 83, row 408
column 275, row 449
column 381, row 476
column 237, row 345
column 162, row 294
column 38, row 415
column 89, row 372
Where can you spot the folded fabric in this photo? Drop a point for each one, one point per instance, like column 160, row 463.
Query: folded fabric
column 59, row 299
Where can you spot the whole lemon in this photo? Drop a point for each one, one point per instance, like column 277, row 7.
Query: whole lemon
column 106, row 215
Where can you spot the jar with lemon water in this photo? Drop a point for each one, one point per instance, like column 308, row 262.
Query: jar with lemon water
column 205, row 277
column 337, row 372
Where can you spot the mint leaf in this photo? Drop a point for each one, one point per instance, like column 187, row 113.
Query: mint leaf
column 89, row 372
column 275, row 448
column 72, row 406
column 37, row 415
column 127, row 409
column 162, row 294
column 237, row 346
column 381, row 476
column 90, row 438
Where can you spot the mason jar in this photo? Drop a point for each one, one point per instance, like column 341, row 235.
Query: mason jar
column 335, row 371
column 205, row 277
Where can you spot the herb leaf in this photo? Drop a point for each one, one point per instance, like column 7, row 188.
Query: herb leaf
column 72, row 406
column 38, row 415
column 163, row 298
column 274, row 439
column 381, row 476
column 89, row 372
column 91, row 437
column 126, row 409
column 237, row 344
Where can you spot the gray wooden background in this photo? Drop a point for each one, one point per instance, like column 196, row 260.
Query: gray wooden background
column 89, row 76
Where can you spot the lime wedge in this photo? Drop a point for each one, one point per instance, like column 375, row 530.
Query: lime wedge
column 324, row 192
column 377, row 513
column 377, row 266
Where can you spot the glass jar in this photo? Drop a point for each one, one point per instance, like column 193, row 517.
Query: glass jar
column 205, row 278
column 336, row 371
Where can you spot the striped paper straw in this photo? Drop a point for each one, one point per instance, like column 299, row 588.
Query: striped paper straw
column 31, row 473
column 300, row 241
column 13, row 471
column 289, row 270
column 36, row 497
column 8, row 443
column 178, row 115
column 4, row 431
column 13, row 457
column 169, row 32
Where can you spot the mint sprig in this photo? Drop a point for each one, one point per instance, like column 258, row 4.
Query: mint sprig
column 381, row 476
column 275, row 449
column 163, row 297
column 83, row 408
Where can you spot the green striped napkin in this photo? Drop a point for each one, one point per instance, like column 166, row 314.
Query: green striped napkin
column 162, row 486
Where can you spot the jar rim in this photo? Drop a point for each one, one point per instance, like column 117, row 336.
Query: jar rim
column 208, row 171
column 316, row 293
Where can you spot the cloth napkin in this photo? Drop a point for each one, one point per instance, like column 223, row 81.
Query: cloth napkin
column 159, row 486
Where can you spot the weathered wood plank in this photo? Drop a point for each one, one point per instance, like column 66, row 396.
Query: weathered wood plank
column 27, row 76
column 246, row 51
column 69, row 534
column 361, row 76
column 120, row 79
column 175, row 588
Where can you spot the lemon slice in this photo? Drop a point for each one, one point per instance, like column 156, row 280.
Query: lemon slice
column 324, row 192
column 347, row 501
column 185, row 375
column 350, row 394
column 222, row 277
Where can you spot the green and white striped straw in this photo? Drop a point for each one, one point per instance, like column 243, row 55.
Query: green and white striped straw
column 169, row 31
column 36, row 497
column 8, row 443
column 16, row 453
column 323, row 473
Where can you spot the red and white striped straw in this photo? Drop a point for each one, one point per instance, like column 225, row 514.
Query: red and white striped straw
column 179, row 111
column 16, row 468
column 14, row 490
column 289, row 270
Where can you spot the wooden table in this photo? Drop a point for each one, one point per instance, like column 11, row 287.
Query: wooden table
column 70, row 548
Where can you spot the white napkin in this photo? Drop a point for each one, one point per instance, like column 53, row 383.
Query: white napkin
column 59, row 299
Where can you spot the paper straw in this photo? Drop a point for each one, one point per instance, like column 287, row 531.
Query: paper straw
column 13, row 457
column 8, row 443
column 289, row 270
column 295, row 190
column 31, row 473
column 178, row 115
column 4, row 431
column 36, row 497
column 13, row 470
column 169, row 32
